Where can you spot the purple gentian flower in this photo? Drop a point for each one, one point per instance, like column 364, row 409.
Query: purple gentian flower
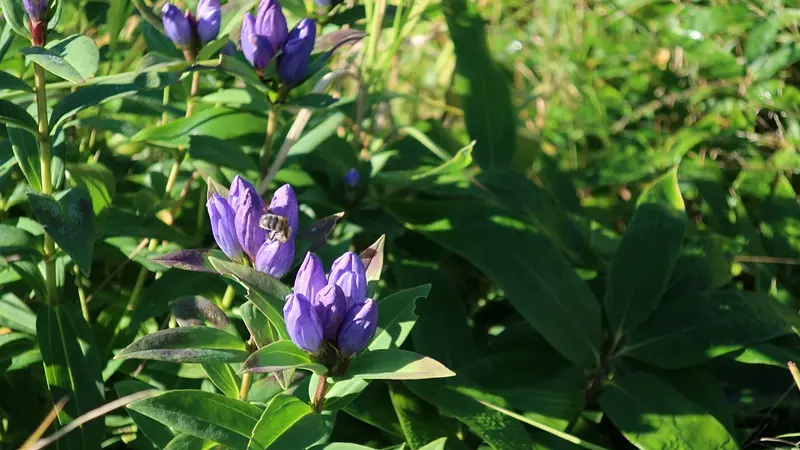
column 187, row 31
column 350, row 274
column 310, row 277
column 265, row 34
column 302, row 323
column 247, row 208
column 36, row 9
column 346, row 317
column 293, row 61
column 358, row 327
column 352, row 178
column 223, row 226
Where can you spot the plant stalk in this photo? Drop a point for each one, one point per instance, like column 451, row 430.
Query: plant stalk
column 47, row 180
column 247, row 381
column 227, row 298
column 319, row 396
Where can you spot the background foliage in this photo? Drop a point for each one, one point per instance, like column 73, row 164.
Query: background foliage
column 602, row 195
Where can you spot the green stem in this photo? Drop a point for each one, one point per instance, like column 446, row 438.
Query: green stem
column 319, row 396
column 227, row 298
column 247, row 381
column 272, row 124
column 47, row 181
column 81, row 294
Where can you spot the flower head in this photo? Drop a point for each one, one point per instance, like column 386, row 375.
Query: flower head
column 302, row 323
column 249, row 209
column 265, row 34
column 331, row 307
column 350, row 274
column 256, row 48
column 358, row 327
column 293, row 62
column 209, row 17
column 223, row 226
column 36, row 9
column 275, row 258
column 352, row 177
column 176, row 25
column 310, row 277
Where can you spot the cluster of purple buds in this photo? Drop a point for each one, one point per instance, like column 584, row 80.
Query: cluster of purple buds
column 267, row 35
column 37, row 14
column 236, row 223
column 189, row 32
column 333, row 310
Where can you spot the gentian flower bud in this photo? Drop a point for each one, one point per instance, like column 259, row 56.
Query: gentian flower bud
column 36, row 9
column 350, row 274
column 209, row 17
column 331, row 308
column 352, row 177
column 310, row 277
column 223, row 226
column 358, row 327
column 238, row 187
column 275, row 258
column 176, row 25
column 256, row 48
column 249, row 209
column 293, row 62
column 284, row 203
column 302, row 323
column 271, row 23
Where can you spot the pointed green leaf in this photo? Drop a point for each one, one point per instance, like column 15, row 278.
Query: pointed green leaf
column 642, row 267
column 287, row 423
column 281, row 355
column 203, row 414
column 69, row 220
column 396, row 317
column 12, row 114
column 74, row 58
column 188, row 345
column 394, row 364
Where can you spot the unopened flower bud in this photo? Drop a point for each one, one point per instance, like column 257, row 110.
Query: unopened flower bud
column 302, row 323
column 358, row 327
column 249, row 209
column 350, row 274
column 275, row 258
column 271, row 23
column 310, row 277
column 331, row 308
column 36, row 9
column 223, row 226
column 176, row 25
column 256, row 48
column 352, row 177
column 293, row 62
column 209, row 17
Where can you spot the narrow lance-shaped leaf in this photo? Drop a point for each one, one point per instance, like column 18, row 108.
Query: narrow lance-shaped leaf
column 287, row 423
column 188, row 345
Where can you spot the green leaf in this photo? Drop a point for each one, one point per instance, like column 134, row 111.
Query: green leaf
column 12, row 114
column 394, row 364
column 15, row 240
column 700, row 327
column 488, row 110
column 641, row 269
column 221, row 152
column 74, row 58
column 287, row 423
column 224, row 378
column 257, row 324
column 202, row 414
column 266, row 292
column 438, row 444
column 186, row 441
column 229, row 124
column 281, row 355
column 16, row 17
column 98, row 181
column 88, row 96
column 536, row 279
column 652, row 414
column 190, row 260
column 396, row 317
column 188, row 345
column 495, row 428
column 420, row 421
column 15, row 314
column 373, row 406
column 158, row 433
column 72, row 369
column 69, row 220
